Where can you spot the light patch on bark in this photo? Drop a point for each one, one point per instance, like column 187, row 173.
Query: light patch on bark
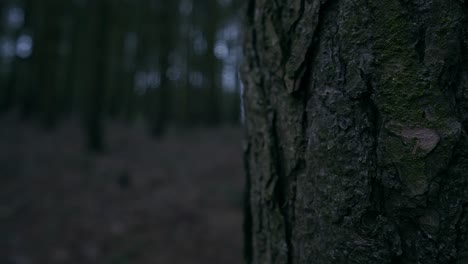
column 427, row 139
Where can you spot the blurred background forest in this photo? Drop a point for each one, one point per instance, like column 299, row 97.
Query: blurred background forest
column 169, row 62
column 120, row 131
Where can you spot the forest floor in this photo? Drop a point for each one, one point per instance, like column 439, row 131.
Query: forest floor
column 176, row 200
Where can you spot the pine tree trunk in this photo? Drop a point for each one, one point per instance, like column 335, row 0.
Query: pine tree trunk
column 97, row 57
column 357, row 117
column 47, row 58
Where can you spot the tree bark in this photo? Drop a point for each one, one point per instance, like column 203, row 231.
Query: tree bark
column 356, row 118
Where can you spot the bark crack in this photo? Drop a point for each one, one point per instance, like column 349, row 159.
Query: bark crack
column 420, row 46
column 247, row 223
column 306, row 65
column 458, row 227
column 281, row 188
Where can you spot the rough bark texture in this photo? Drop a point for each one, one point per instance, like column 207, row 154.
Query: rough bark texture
column 357, row 118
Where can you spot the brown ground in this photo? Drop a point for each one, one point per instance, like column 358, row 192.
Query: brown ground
column 59, row 204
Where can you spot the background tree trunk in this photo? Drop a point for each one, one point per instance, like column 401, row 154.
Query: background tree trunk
column 97, row 57
column 357, row 117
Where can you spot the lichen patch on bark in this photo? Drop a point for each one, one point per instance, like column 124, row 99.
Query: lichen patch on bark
column 426, row 139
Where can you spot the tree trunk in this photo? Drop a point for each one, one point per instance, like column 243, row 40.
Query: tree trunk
column 211, row 66
column 46, row 46
column 357, row 117
column 161, row 98
column 94, row 112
